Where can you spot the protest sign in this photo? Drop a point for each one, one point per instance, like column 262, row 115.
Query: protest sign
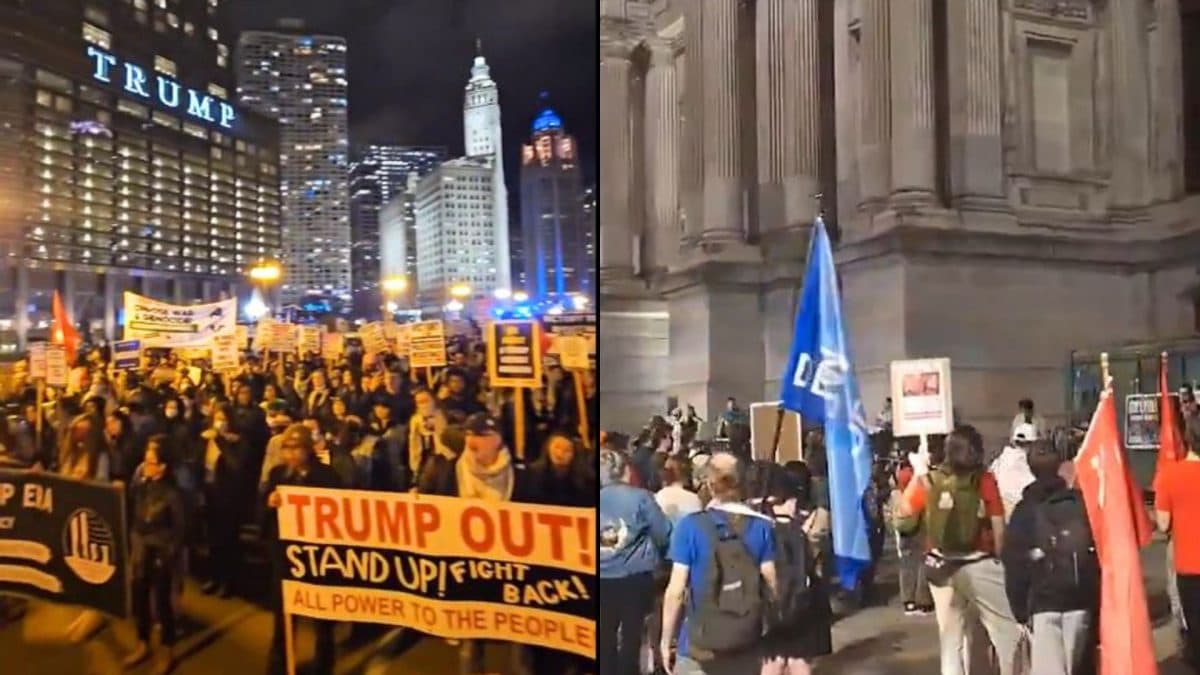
column 63, row 540
column 922, row 403
column 426, row 344
column 37, row 360
column 374, row 340
column 242, row 335
column 579, row 324
column 126, row 354
column 573, row 352
column 1142, row 421
column 309, row 340
column 225, row 353
column 56, row 365
column 454, row 568
column 262, row 335
column 514, row 354
column 397, row 336
column 282, row 337
column 159, row 324
column 764, row 419
column 333, row 345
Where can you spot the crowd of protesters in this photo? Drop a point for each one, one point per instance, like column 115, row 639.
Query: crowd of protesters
column 202, row 454
column 699, row 551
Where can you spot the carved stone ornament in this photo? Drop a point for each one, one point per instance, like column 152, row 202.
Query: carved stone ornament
column 1066, row 9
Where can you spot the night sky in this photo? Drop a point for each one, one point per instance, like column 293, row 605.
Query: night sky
column 410, row 59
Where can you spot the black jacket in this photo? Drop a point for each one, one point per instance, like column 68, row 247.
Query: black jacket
column 541, row 485
column 158, row 521
column 319, row 475
column 1030, row 589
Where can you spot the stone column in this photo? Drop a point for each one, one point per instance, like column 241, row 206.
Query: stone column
column 846, row 117
column 976, row 91
column 691, row 125
column 789, row 122
column 1168, row 111
column 723, row 192
column 1130, row 106
column 21, row 305
column 616, row 160
column 914, row 151
column 661, row 235
column 874, row 109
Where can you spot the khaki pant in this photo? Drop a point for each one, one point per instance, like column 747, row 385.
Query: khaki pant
column 976, row 589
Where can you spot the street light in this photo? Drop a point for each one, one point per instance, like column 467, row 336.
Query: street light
column 520, row 296
column 395, row 284
column 454, row 306
column 580, row 302
column 502, row 293
column 264, row 273
column 460, row 291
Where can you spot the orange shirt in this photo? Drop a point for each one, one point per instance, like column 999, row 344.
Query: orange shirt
column 1178, row 496
column 989, row 492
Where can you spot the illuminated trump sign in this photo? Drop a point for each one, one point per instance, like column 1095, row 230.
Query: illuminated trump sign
column 135, row 80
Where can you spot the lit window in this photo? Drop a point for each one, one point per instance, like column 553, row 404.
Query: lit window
column 165, row 66
column 189, row 28
column 218, row 91
column 172, row 20
column 213, row 34
column 97, row 36
column 161, row 3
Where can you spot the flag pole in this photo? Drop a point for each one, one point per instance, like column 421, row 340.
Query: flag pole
column 1104, row 376
column 796, row 308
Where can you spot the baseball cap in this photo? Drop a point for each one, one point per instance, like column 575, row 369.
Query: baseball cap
column 480, row 424
column 1024, row 433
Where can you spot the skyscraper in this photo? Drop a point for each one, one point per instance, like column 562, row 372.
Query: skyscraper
column 300, row 79
column 124, row 162
column 456, row 237
column 482, row 138
column 552, row 219
column 398, row 239
column 379, row 175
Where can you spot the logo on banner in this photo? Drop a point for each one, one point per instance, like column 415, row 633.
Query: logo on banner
column 88, row 543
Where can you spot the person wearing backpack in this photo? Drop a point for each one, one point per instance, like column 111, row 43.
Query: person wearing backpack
column 959, row 505
column 799, row 628
column 1051, row 571
column 723, row 560
column 634, row 533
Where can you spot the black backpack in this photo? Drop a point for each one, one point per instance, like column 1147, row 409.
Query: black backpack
column 731, row 607
column 1067, row 561
column 793, row 570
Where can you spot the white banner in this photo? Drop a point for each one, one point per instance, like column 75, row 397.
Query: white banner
column 159, row 324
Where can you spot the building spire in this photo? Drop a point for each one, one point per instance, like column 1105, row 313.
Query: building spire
column 478, row 46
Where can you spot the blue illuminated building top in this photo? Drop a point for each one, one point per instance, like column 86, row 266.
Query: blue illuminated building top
column 547, row 119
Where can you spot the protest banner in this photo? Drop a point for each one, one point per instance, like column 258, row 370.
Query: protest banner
column 374, row 340
column 63, row 540
column 160, row 324
column 514, row 353
column 333, row 345
column 1142, row 421
column 309, row 341
column 225, row 353
column 922, row 403
column 581, row 324
column 56, row 365
column 455, row 568
column 126, row 354
column 427, row 344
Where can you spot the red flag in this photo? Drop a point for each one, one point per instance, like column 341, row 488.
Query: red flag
column 1120, row 525
column 1170, row 439
column 62, row 331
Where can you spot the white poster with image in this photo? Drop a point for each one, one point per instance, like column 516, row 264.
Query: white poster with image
column 922, row 402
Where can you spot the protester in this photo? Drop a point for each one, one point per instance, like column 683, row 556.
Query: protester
column 1177, row 511
column 157, row 532
column 964, row 520
column 1011, row 468
column 562, row 475
column 721, row 557
column 1026, row 415
column 673, row 498
column 225, row 457
column 1052, row 574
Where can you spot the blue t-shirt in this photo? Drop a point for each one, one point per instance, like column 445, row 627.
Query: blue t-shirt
column 692, row 546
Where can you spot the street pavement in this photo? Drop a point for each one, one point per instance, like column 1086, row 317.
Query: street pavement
column 232, row 636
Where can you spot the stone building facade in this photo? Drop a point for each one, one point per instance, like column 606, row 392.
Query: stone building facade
column 1007, row 180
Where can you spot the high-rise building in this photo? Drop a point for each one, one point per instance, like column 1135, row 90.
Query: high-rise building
column 587, row 204
column 482, row 138
column 300, row 79
column 556, row 261
column 378, row 176
column 398, row 239
column 125, row 161
column 455, row 234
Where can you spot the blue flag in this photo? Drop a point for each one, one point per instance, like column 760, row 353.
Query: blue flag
column 819, row 384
